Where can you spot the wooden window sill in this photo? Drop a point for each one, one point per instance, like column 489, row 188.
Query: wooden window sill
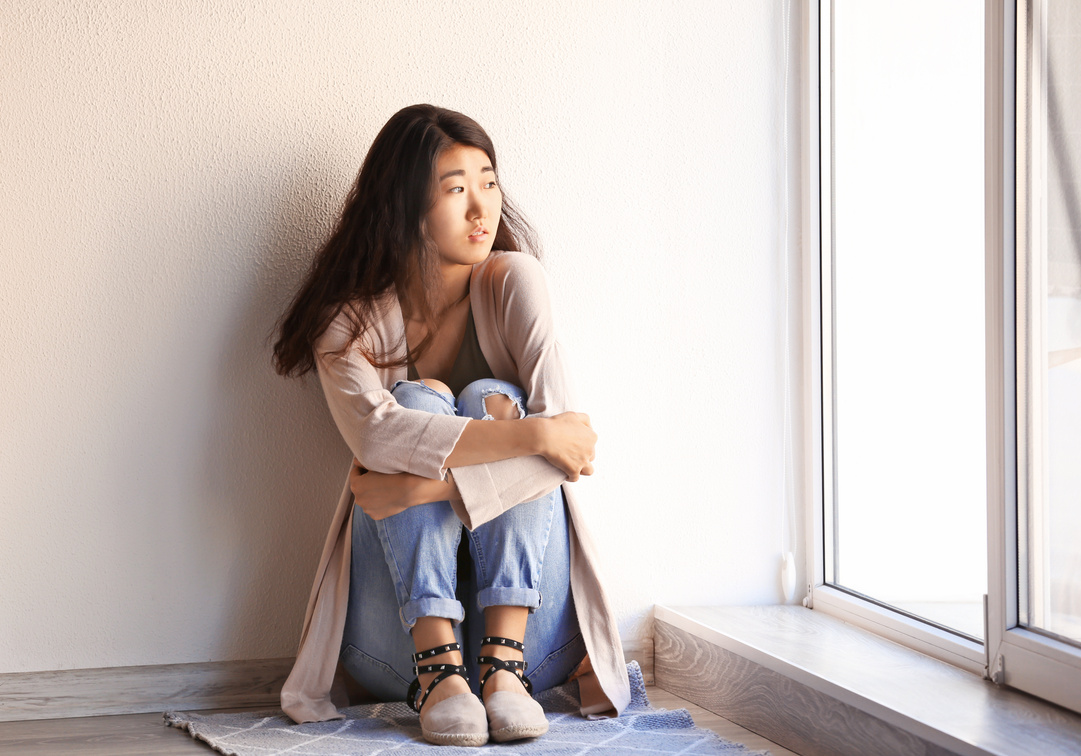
column 817, row 685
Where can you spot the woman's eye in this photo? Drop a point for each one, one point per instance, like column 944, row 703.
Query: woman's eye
column 457, row 189
column 490, row 185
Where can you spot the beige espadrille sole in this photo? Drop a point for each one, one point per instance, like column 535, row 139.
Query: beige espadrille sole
column 459, row 720
column 512, row 716
column 519, row 732
column 455, row 739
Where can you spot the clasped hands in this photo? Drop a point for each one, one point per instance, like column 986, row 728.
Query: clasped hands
column 567, row 441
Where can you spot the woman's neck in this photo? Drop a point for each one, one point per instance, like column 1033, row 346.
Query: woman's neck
column 454, row 288
column 455, row 283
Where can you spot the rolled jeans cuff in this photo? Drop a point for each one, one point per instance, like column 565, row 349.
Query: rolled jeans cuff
column 527, row 597
column 431, row 607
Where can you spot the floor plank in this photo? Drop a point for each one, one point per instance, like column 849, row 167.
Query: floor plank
column 728, row 730
column 147, row 735
column 117, row 735
column 70, row 693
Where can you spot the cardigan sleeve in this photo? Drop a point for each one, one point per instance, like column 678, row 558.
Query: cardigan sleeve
column 383, row 435
column 519, row 292
column 516, row 287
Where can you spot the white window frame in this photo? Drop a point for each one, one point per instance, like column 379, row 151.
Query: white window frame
column 1010, row 655
column 1023, row 659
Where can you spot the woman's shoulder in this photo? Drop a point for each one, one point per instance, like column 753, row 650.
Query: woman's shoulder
column 513, row 268
column 512, row 291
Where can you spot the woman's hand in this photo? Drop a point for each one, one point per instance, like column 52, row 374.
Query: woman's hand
column 382, row 495
column 569, row 442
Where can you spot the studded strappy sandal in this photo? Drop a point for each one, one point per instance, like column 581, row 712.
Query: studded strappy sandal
column 460, row 720
column 511, row 716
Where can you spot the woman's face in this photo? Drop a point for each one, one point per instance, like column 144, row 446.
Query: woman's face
column 464, row 219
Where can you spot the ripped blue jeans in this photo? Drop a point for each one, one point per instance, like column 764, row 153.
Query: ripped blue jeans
column 417, row 564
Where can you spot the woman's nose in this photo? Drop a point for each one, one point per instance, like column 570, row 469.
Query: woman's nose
column 478, row 210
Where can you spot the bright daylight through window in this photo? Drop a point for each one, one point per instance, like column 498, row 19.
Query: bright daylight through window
column 909, row 504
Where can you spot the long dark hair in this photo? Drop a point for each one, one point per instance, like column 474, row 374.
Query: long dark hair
column 381, row 241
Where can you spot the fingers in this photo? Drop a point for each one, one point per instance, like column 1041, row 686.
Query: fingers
column 356, row 481
column 574, row 473
column 587, row 470
column 579, row 416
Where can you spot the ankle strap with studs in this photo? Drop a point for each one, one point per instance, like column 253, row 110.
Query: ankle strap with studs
column 513, row 666
column 445, row 670
column 495, row 640
column 422, row 655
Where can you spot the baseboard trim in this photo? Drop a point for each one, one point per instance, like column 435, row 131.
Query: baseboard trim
column 640, row 651
column 133, row 690
column 253, row 684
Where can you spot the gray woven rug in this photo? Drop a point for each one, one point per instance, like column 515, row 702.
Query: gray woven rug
column 393, row 729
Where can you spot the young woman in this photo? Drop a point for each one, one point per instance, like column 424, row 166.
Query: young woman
column 456, row 527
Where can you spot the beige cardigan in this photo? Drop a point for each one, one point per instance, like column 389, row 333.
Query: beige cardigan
column 512, row 312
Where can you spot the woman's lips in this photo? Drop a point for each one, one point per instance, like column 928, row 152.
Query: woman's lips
column 479, row 234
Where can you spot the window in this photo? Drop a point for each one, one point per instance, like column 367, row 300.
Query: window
column 1034, row 262
column 945, row 338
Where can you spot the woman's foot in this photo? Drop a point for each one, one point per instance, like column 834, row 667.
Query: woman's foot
column 459, row 720
column 454, row 685
column 501, row 679
column 512, row 712
column 449, row 712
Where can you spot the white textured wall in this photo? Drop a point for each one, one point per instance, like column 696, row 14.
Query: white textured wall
column 167, row 169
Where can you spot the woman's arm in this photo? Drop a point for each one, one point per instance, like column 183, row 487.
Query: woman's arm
column 381, row 495
column 566, row 440
column 515, row 326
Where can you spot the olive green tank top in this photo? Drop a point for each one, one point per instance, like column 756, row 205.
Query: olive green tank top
column 469, row 364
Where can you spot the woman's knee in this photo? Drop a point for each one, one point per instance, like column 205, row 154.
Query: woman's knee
column 435, row 385
column 426, row 394
column 492, row 399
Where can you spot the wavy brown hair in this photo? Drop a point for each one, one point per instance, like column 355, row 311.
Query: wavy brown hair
column 380, row 241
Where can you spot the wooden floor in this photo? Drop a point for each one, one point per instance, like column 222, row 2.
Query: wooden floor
column 147, row 735
column 662, row 699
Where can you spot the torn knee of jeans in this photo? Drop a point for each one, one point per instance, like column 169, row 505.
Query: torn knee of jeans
column 492, row 391
column 434, row 385
column 422, row 386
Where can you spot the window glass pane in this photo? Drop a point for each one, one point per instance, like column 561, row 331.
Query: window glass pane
column 908, row 342
column 1055, row 526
